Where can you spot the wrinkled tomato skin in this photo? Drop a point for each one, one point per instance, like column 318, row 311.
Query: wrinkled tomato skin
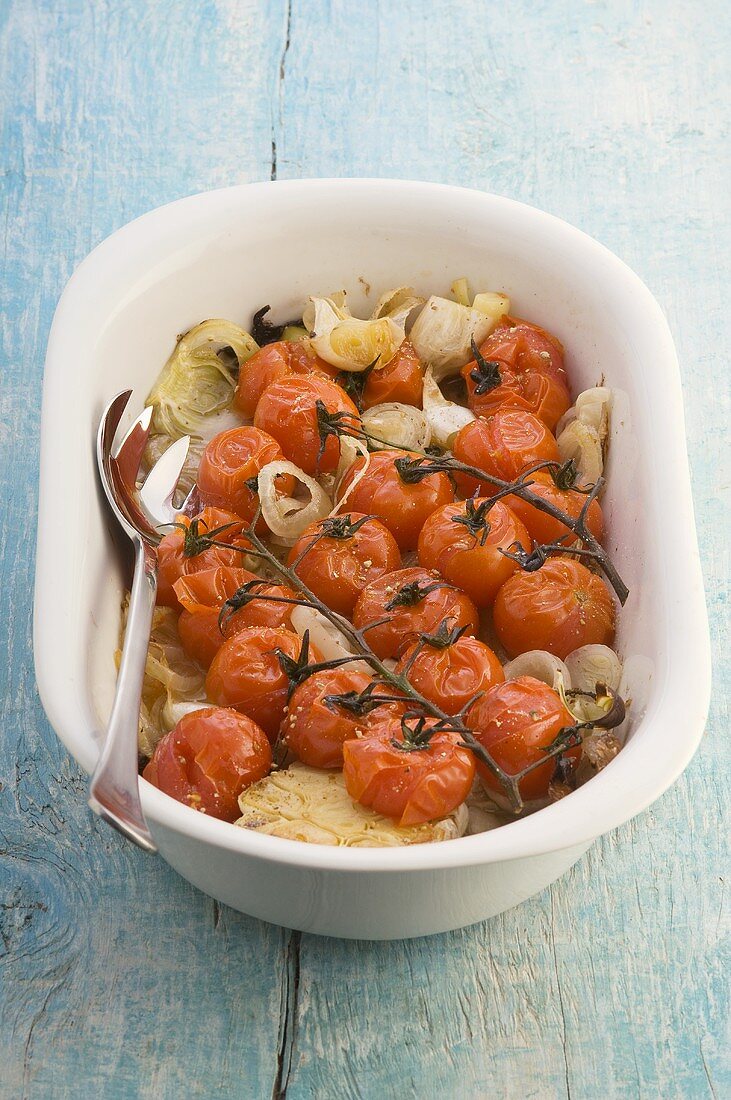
column 560, row 607
column 516, row 721
column 172, row 563
column 544, row 528
column 401, row 379
column 270, row 364
column 530, row 361
column 401, row 507
column 338, row 569
column 314, row 730
column 202, row 595
column 230, row 460
column 210, row 757
column 405, row 624
column 478, row 567
column 287, row 410
column 262, row 612
column 409, row 787
column 451, row 676
column 504, row 444
column 245, row 674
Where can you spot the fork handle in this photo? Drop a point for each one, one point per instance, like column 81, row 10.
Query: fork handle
column 114, row 792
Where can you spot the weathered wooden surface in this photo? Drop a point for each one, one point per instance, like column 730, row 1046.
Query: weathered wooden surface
column 118, row 979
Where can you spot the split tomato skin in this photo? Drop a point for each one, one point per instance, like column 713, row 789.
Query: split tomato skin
column 173, row 562
column 315, row 729
column 473, row 561
column 201, row 596
column 412, row 602
column 269, row 364
column 246, row 674
column 559, row 607
column 287, row 410
column 402, row 507
column 208, row 759
column 503, row 444
column 337, row 567
column 401, row 379
column 411, row 787
column 452, row 675
column 516, row 722
column 228, row 464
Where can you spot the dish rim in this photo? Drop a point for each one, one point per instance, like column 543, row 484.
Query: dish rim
column 601, row 805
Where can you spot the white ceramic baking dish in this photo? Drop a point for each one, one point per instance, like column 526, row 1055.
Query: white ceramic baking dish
column 225, row 253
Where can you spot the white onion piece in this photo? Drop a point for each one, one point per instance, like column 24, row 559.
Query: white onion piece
column 445, row 418
column 583, row 445
column 350, row 450
column 541, row 665
column 442, row 332
column 349, row 343
column 174, row 710
column 492, row 304
column 287, row 517
column 330, row 643
column 399, row 425
column 322, row 314
column 594, row 664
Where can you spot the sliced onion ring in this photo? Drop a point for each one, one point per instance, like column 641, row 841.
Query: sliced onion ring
column 541, row 665
column 325, row 636
column 400, row 425
column 594, row 664
column 287, row 517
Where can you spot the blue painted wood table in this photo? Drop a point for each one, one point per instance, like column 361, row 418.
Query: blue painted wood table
column 118, row 979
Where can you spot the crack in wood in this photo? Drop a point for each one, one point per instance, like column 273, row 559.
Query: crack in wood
column 282, row 69
column 288, row 1015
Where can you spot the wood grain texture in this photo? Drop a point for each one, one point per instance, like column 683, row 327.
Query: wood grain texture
column 118, row 979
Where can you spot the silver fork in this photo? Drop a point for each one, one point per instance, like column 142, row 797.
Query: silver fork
column 114, row 790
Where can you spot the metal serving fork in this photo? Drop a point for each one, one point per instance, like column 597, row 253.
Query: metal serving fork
column 114, row 789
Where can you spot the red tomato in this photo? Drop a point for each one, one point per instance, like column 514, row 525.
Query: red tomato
column 210, row 757
column 525, row 369
column 516, row 722
column 270, row 364
column 405, row 780
column 315, row 728
column 560, row 607
column 287, row 410
column 261, row 611
column 341, row 555
column 451, row 675
column 465, row 541
column 202, row 595
column 504, row 444
column 413, row 602
column 183, row 552
column 246, row 674
column 544, row 528
column 401, row 506
column 399, row 380
column 232, row 459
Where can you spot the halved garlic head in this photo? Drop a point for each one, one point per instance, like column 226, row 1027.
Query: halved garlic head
column 286, row 516
column 541, row 665
column 393, row 424
column 445, row 418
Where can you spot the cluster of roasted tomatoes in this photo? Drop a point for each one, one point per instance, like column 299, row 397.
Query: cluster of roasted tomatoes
column 424, row 615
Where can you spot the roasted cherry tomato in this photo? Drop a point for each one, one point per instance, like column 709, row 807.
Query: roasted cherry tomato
column 260, row 609
column 402, row 506
column 516, row 722
column 449, row 673
column 270, row 364
column 521, row 365
column 246, row 674
column 464, row 541
column 503, row 444
column 408, row 770
column 197, row 548
column 202, row 595
column 210, row 757
column 399, row 380
column 337, row 557
column 316, row 726
column 545, row 528
column 228, row 464
column 288, row 411
column 412, row 602
column 559, row 607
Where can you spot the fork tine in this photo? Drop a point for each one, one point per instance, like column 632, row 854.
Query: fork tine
column 156, row 495
column 128, row 456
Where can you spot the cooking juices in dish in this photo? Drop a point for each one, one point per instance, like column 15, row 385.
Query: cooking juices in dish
column 389, row 616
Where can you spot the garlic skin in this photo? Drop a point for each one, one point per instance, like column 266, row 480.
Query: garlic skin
column 582, row 432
